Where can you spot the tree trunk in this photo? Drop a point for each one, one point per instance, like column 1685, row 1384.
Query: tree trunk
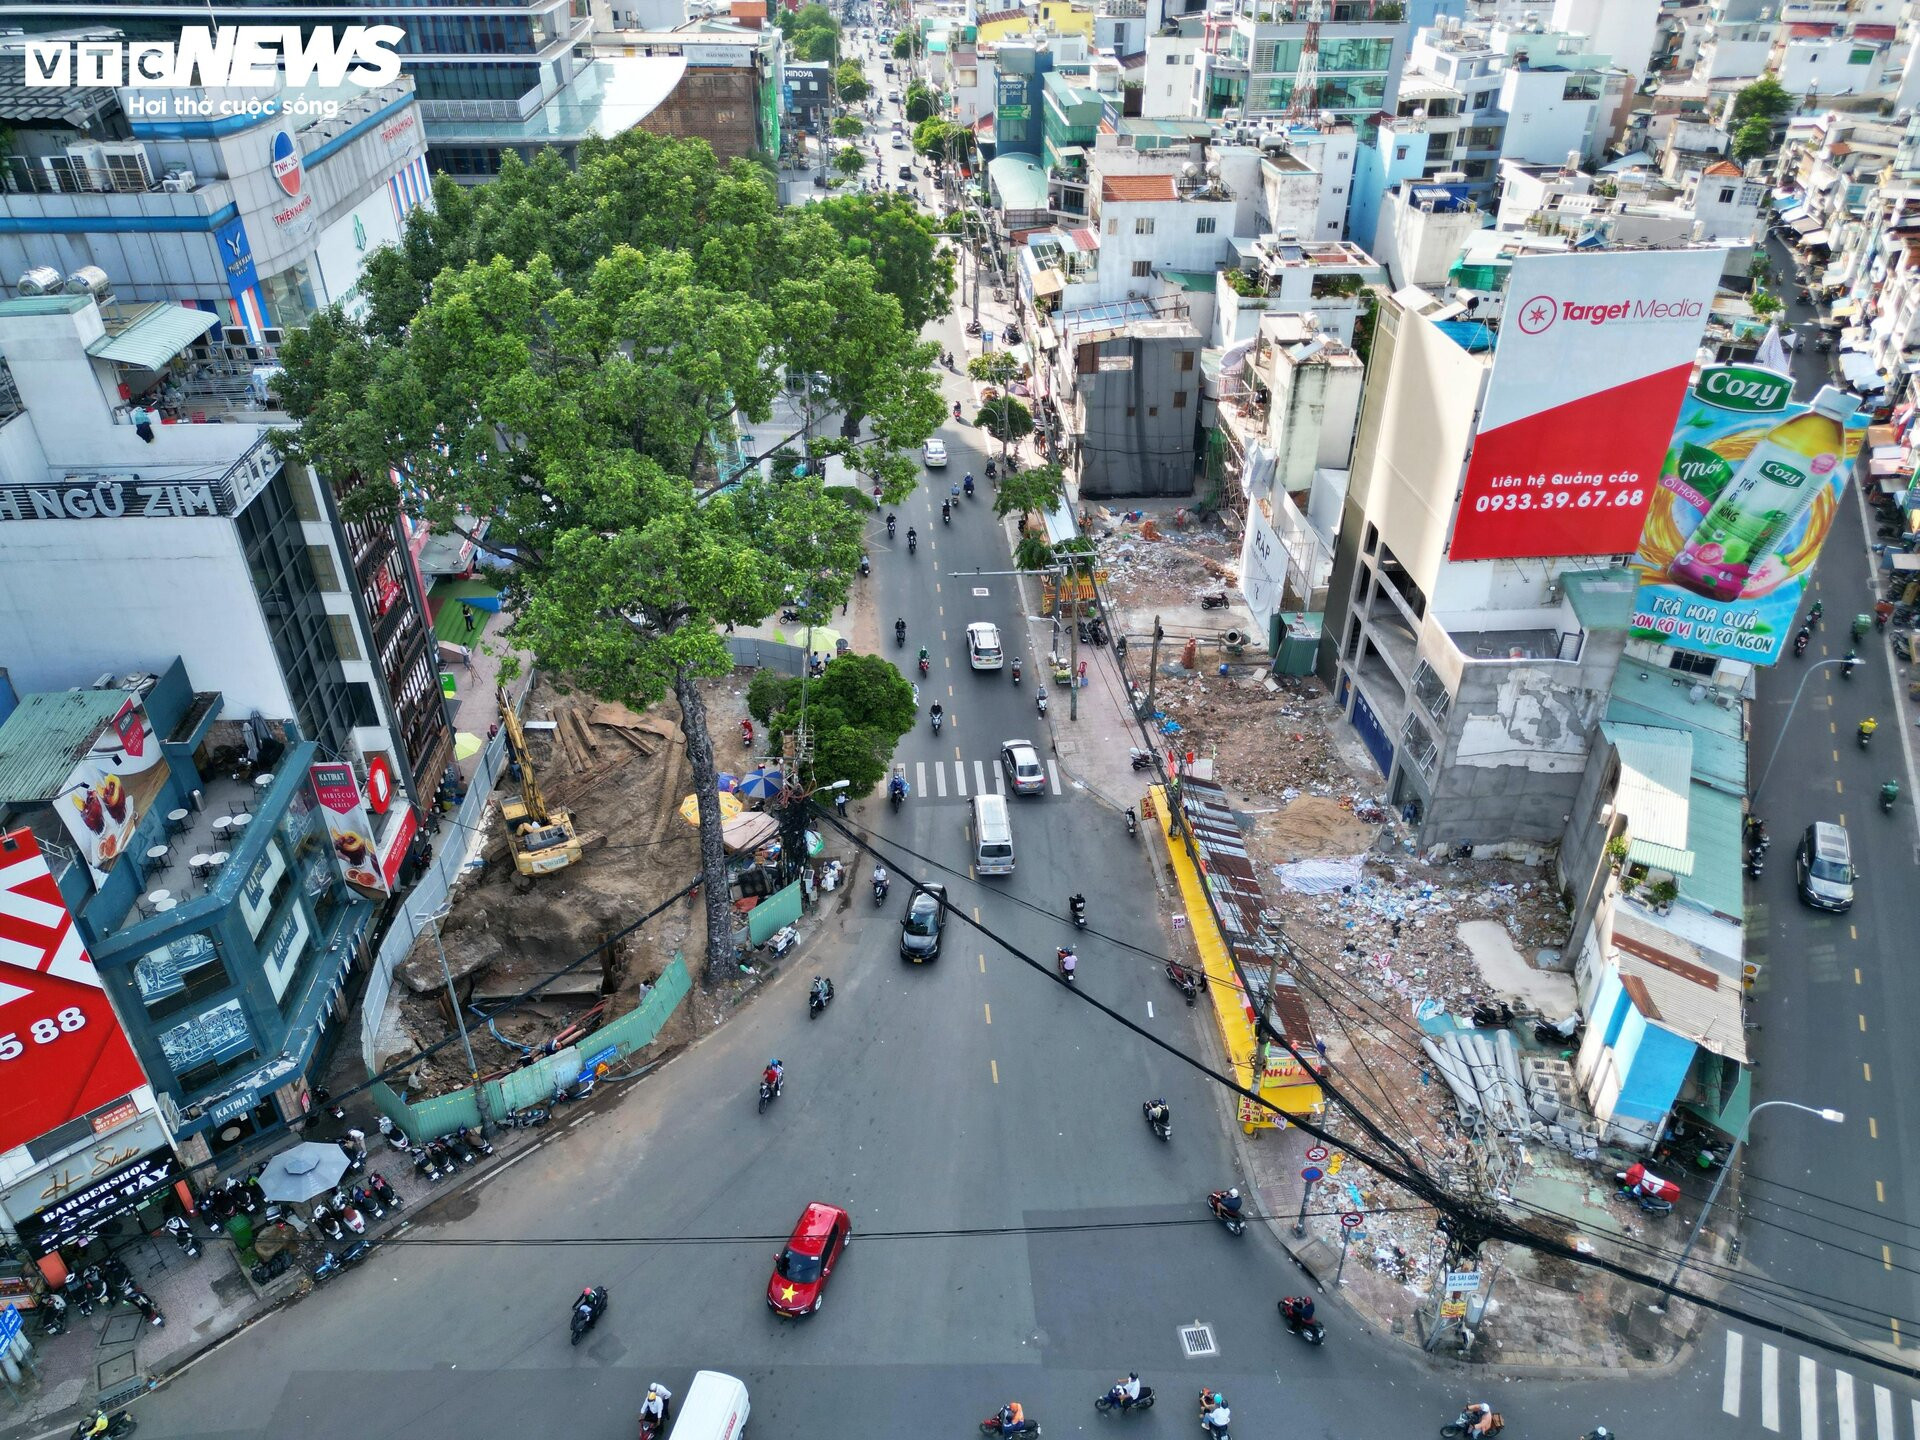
column 722, row 963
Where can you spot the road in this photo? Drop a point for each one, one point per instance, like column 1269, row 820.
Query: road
column 1835, row 987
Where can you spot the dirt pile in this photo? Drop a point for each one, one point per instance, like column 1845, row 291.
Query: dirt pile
column 1161, row 560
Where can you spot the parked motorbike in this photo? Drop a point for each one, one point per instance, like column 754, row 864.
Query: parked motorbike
column 587, row 1311
column 53, row 1314
column 395, row 1136
column 149, row 1311
column 328, row 1223
column 1181, row 976
column 1493, row 1015
column 1214, row 602
column 530, row 1118
column 1162, row 1127
column 369, row 1205
column 1236, row 1223
column 475, row 1141
column 182, row 1234
column 1138, row 758
column 382, row 1191
column 424, row 1167
column 1133, row 823
column 462, row 1150
column 1113, row 1402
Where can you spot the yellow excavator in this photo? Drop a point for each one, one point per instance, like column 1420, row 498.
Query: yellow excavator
column 541, row 840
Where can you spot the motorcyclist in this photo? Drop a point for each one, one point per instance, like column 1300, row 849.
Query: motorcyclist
column 1298, row 1310
column 1849, row 663
column 897, row 787
column 880, row 877
column 1126, row 1391
column 1801, row 638
column 954, row 489
column 1012, row 1417
column 100, row 1424
column 1068, row 960
column 913, row 537
column 937, row 713
column 656, row 1407
column 900, row 631
column 1076, row 902
column 1214, row 1414
column 968, row 484
column 1867, row 727
column 1481, row 1419
column 1159, row 1113
column 774, row 1076
column 1225, row 1202
column 890, row 524
column 822, row 989
column 946, row 509
column 587, row 1308
column 1813, row 615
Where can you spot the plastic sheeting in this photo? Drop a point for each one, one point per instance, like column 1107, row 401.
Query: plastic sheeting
column 1321, row 877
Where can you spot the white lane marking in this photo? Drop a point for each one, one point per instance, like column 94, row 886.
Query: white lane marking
column 960, row 777
column 1843, row 1395
column 940, row 778
column 1809, row 1399
column 1916, row 1416
column 1730, row 1377
column 979, row 778
column 1883, row 1412
column 1149, row 1009
column 1053, row 776
column 920, row 777
column 999, row 780
column 1770, row 1388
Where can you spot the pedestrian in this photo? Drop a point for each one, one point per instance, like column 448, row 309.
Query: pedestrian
column 143, row 423
column 467, row 659
column 467, row 617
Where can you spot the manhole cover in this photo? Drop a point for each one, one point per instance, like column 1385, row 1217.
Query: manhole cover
column 120, row 1330
column 116, row 1372
column 1197, row 1341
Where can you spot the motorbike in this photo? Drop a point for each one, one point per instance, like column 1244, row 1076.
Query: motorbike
column 956, row 409
column 1850, row 664
column 746, row 733
column 1016, row 670
column 913, row 543
column 968, row 487
column 353, row 1150
column 143, row 1302
column 769, row 1092
column 1889, row 795
column 1163, row 1129
column 866, row 566
column 899, row 632
column 1040, row 699
column 925, row 664
column 991, row 1426
column 474, row 1141
column 819, row 997
column 973, row 327
column 370, row 1206
column 424, row 1167
column 53, row 1315
column 1215, row 1428
column 342, row 1205
column 1464, row 1422
column 118, row 1424
column 1236, row 1224
column 587, row 1311
column 1184, row 978
column 1864, row 735
column 1113, row 1401
column 896, row 792
column 1311, row 1332
column 1756, row 864
column 1066, row 960
column 1133, row 823
column 946, row 512
column 1138, row 758
column 890, row 524
column 1652, row 1204
column 879, row 890
column 1077, row 908
column 1493, row 1015
column 395, row 1136
column 327, row 1223
column 382, row 1191
column 990, row 470
column 182, row 1234
column 1217, row 601
column 1800, row 643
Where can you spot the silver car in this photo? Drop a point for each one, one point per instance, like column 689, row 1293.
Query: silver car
column 1022, row 764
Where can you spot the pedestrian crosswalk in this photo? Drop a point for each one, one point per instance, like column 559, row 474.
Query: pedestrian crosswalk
column 1825, row 1403
column 963, row 779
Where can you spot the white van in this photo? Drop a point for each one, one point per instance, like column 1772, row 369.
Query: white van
column 992, row 834
column 715, row 1408
column 983, row 646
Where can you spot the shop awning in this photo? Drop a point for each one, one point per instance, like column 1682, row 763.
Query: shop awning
column 1048, row 282
column 1818, row 239
column 154, row 335
column 1859, row 371
column 1846, row 309
column 1805, row 225
column 1792, row 210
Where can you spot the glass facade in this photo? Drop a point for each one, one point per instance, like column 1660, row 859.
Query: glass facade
column 290, row 602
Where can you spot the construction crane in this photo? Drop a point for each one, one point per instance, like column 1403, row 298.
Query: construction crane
column 541, row 840
column 1302, row 104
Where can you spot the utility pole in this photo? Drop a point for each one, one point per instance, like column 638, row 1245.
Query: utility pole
column 1073, row 644
column 1153, row 664
column 460, row 1022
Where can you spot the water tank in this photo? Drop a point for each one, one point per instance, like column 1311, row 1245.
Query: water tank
column 40, row 280
column 89, row 280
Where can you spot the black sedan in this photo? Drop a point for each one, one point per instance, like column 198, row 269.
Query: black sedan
column 921, row 926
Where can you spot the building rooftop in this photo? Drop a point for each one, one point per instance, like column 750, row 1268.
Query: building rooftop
column 1644, row 695
column 1655, row 775
column 1137, row 187
column 47, row 736
column 1021, row 181
column 1602, row 599
column 1680, row 992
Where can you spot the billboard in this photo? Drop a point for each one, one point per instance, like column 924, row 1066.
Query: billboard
column 1746, row 497
column 62, row 1053
column 348, row 828
column 111, row 788
column 1588, row 374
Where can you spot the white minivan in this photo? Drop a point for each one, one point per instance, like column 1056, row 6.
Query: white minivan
column 991, row 831
column 983, row 646
column 715, row 1408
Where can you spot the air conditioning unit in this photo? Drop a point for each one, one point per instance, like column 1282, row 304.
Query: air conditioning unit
column 180, row 182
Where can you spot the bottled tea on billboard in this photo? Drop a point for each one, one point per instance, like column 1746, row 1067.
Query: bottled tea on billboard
column 1772, row 489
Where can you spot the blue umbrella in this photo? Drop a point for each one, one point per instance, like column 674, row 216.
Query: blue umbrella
column 762, row 784
column 724, row 781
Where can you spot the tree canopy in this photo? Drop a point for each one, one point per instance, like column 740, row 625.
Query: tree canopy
column 856, row 712
column 1753, row 139
column 578, row 388
column 906, row 44
column 919, row 102
column 898, row 239
column 943, row 138
column 1765, row 97
column 851, row 83
column 1037, row 488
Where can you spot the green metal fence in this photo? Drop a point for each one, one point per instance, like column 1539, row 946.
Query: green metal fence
column 780, row 908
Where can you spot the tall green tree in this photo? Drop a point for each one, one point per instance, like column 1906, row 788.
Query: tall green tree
column 846, row 127
column 906, row 44
column 849, row 161
column 577, row 404
column 1037, row 488
column 1753, row 139
column 850, row 82
column 897, row 237
column 855, row 713
column 1765, row 97
column 919, row 102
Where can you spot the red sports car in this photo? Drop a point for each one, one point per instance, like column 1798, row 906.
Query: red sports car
column 801, row 1271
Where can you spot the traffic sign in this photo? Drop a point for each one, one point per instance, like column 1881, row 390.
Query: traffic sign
column 9, row 1325
column 1352, row 1220
column 1316, row 1153
column 1310, row 1174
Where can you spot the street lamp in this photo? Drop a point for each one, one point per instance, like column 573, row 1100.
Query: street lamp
column 1798, row 692
column 1832, row 1117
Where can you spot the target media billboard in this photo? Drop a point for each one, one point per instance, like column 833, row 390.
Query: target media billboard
column 1592, row 362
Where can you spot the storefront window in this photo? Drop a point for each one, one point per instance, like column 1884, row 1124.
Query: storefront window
column 180, row 974
column 213, row 1043
column 289, row 296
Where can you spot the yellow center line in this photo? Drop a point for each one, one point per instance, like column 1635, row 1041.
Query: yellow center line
column 1873, row 1125
column 1894, row 1321
column 995, row 1065
column 989, row 1010
column 983, row 964
column 1856, row 969
column 1886, row 1256
column 1836, row 757
column 1866, row 1072
column 1853, row 933
column 976, row 914
column 956, row 755
column 1831, row 727
column 1863, row 1024
column 1838, row 788
column 1880, row 1191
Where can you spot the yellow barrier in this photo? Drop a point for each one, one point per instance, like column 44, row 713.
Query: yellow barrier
column 1281, row 1075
